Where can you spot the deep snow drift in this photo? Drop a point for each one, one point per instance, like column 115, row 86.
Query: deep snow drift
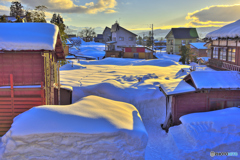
column 201, row 133
column 93, row 128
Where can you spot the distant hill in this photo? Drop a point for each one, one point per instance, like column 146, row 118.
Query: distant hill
column 158, row 33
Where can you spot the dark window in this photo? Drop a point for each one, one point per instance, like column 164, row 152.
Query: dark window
column 121, row 38
column 130, row 39
column 215, row 52
column 223, row 54
column 216, row 105
column 233, row 103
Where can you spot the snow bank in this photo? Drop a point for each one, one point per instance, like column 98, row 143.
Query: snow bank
column 28, row 36
column 134, row 62
column 93, row 128
column 204, row 132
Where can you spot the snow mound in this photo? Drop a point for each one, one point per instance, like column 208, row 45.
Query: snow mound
column 93, row 128
column 71, row 66
column 134, row 62
column 206, row 131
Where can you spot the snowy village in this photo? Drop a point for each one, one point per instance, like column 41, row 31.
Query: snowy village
column 101, row 80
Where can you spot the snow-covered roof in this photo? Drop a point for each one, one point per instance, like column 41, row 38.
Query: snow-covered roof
column 68, row 42
column 28, row 36
column 176, row 86
column 231, row 30
column 199, row 45
column 70, row 57
column 215, row 79
column 205, row 59
column 111, row 42
column 203, row 80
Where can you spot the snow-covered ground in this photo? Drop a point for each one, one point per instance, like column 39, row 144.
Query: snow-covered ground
column 137, row 82
column 89, row 49
column 83, row 130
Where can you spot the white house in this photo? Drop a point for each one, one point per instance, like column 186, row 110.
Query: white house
column 121, row 38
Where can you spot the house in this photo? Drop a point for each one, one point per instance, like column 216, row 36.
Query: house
column 178, row 37
column 199, row 49
column 200, row 91
column 132, row 52
column 29, row 68
column 160, row 44
column 99, row 38
column 121, row 38
column 225, row 47
column 107, row 35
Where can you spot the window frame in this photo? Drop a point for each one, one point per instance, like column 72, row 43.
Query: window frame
column 121, row 38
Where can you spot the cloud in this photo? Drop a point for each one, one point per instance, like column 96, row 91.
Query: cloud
column 68, row 6
column 110, row 11
column 4, row 10
column 215, row 16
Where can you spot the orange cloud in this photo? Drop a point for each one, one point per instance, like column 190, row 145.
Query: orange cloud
column 214, row 16
column 67, row 6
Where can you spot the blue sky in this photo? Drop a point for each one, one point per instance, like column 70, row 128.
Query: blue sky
column 139, row 14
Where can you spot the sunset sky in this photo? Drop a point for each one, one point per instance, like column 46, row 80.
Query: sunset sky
column 138, row 14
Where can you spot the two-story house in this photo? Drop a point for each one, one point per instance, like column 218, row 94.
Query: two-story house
column 122, row 37
column 225, row 47
column 178, row 37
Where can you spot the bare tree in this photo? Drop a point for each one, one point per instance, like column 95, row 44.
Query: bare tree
column 87, row 32
column 76, row 42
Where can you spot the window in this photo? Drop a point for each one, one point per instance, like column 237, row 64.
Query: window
column 190, row 41
column 231, row 54
column 135, row 55
column 114, row 38
column 215, row 105
column 215, row 52
column 223, row 54
column 130, row 39
column 121, row 38
column 183, row 42
column 171, row 42
column 233, row 103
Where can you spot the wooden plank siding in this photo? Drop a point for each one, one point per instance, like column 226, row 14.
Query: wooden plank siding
column 199, row 102
column 27, row 68
column 14, row 101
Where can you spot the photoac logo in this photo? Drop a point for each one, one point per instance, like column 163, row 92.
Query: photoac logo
column 212, row 153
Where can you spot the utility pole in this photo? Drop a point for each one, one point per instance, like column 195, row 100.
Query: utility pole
column 152, row 37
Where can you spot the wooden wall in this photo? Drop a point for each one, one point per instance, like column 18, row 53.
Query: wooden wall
column 27, row 68
column 14, row 101
column 199, row 102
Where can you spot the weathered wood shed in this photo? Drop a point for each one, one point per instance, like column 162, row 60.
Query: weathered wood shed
column 29, row 74
column 200, row 91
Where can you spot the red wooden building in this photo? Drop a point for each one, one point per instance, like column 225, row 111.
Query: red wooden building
column 200, row 91
column 225, row 47
column 132, row 52
column 29, row 74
